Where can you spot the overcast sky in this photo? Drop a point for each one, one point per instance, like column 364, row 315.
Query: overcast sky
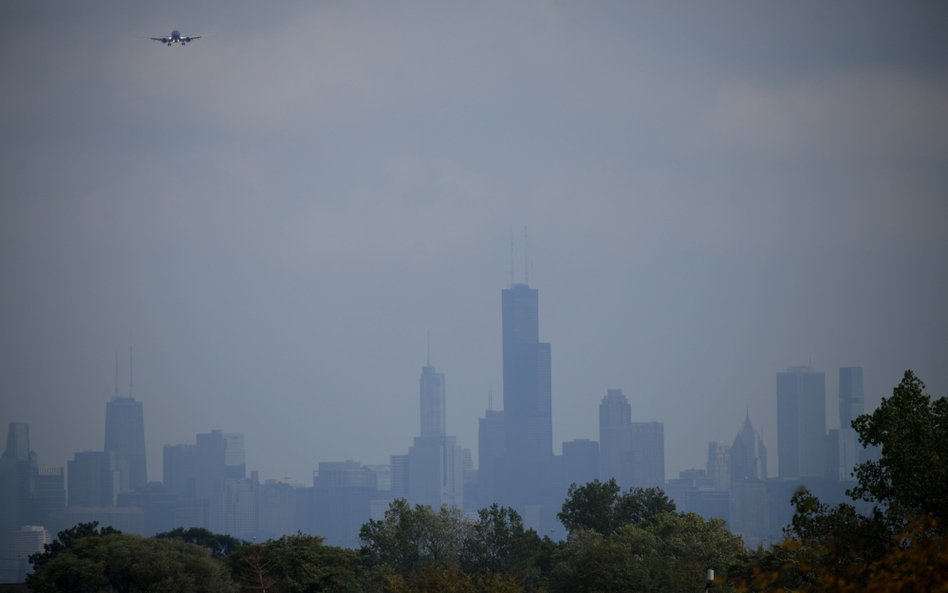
column 277, row 214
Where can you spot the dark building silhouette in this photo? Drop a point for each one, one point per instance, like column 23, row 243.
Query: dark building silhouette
column 851, row 406
column 615, row 438
column 528, row 420
column 527, row 478
column 801, row 423
column 93, row 478
column 648, row 454
column 125, row 438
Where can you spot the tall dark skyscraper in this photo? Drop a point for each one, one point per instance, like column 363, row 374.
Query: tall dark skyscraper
column 801, row 423
column 528, row 418
column 125, row 437
column 431, row 387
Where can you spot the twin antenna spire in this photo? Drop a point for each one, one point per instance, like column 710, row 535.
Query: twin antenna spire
column 527, row 262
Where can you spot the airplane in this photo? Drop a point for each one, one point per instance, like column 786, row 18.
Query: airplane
column 175, row 39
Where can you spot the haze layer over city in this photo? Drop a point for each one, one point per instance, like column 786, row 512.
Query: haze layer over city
column 284, row 217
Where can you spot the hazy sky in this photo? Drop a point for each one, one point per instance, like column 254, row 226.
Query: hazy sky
column 278, row 213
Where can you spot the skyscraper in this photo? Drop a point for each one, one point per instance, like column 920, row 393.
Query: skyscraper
column 528, row 419
column 648, row 454
column 435, row 462
column 748, row 454
column 615, row 438
column 851, row 406
column 431, row 388
column 125, row 438
column 801, row 423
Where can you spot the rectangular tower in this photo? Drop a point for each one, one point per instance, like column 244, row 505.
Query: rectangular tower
column 125, row 438
column 801, row 423
column 528, row 420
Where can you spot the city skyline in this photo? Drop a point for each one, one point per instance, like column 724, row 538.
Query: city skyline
column 277, row 217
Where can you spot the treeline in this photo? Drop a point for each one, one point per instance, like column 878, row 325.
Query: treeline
column 631, row 541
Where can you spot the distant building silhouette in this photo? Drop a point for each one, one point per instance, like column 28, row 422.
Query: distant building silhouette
column 580, row 461
column 801, row 423
column 431, row 388
column 435, row 461
column 748, row 455
column 615, row 438
column 93, row 478
column 526, row 478
column 648, row 454
column 125, row 438
column 851, row 406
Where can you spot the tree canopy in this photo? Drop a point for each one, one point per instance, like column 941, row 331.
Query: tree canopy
column 126, row 563
column 603, row 508
column 911, row 477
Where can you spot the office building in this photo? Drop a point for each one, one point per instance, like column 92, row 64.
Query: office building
column 432, row 406
column 615, row 438
column 528, row 421
column 93, row 479
column 648, row 454
column 801, row 423
column 851, row 406
column 125, row 438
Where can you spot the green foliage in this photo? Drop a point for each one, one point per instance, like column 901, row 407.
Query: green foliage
column 911, row 478
column 497, row 544
column 670, row 552
column 118, row 562
column 64, row 540
column 408, row 540
column 219, row 544
column 296, row 564
column 603, row 508
column 900, row 549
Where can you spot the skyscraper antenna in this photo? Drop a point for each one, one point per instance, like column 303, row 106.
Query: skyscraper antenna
column 511, row 259
column 130, row 370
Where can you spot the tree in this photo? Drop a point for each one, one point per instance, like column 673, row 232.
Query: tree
column 497, row 545
column 65, row 540
column 911, row 477
column 296, row 564
column 219, row 544
column 407, row 540
column 125, row 563
column 601, row 506
column 670, row 552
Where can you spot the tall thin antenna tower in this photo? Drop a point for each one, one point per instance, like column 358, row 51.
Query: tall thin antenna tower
column 512, row 281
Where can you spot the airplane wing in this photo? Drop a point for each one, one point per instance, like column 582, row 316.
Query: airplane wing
column 161, row 39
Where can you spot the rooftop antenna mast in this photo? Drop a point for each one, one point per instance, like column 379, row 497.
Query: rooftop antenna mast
column 129, row 370
column 511, row 259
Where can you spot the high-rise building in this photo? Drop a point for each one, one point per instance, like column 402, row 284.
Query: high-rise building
column 125, row 438
column 528, row 419
column 580, row 461
column 719, row 465
column 435, row 461
column 801, row 423
column 748, row 455
column 615, row 438
column 93, row 479
column 851, row 406
column 490, row 452
column 431, row 388
column 648, row 454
